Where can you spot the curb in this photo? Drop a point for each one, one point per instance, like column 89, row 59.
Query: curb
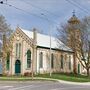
column 74, row 83
column 46, row 79
column 66, row 82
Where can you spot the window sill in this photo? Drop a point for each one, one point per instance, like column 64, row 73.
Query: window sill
column 28, row 68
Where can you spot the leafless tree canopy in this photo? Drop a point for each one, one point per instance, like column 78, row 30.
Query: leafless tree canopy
column 77, row 37
column 4, row 28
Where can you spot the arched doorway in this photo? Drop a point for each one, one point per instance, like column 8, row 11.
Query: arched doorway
column 17, row 67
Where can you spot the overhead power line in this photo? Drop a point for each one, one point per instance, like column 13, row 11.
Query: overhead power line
column 29, row 13
column 51, row 13
column 78, row 6
column 81, row 6
column 73, row 2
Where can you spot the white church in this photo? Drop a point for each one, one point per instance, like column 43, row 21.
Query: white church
column 34, row 51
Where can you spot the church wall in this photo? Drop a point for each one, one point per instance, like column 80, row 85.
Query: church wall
column 45, row 64
column 57, row 63
column 23, row 56
column 25, row 49
column 46, row 60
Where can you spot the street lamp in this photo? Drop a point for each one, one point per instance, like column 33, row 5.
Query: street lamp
column 50, row 40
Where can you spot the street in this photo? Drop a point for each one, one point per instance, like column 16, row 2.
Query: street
column 41, row 85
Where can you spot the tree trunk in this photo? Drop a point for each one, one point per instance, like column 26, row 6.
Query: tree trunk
column 88, row 72
column 74, row 64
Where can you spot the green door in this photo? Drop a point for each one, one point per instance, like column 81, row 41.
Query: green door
column 78, row 68
column 17, row 67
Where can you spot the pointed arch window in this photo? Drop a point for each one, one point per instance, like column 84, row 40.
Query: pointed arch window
column 52, row 60
column 28, row 59
column 8, row 61
column 61, row 61
column 18, row 50
column 69, row 62
column 41, row 60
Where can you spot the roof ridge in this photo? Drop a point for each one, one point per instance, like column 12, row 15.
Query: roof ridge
column 37, row 33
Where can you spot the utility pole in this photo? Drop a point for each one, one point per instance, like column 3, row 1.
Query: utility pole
column 34, row 51
column 50, row 41
column 50, row 54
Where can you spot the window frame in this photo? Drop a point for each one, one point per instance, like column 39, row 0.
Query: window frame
column 52, row 60
column 41, row 60
column 69, row 62
column 62, row 58
column 28, row 59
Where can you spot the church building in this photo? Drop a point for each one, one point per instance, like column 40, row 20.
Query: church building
column 32, row 51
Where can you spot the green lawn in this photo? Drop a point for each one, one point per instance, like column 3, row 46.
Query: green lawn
column 59, row 76
column 67, row 77
column 22, row 78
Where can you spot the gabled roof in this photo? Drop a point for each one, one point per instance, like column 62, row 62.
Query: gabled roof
column 44, row 41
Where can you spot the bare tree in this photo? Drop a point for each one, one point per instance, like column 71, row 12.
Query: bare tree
column 5, row 32
column 68, row 35
column 77, row 37
column 4, row 28
column 83, row 50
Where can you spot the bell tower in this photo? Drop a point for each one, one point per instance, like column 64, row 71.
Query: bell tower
column 74, row 37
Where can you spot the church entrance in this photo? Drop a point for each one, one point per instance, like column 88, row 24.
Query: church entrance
column 17, row 67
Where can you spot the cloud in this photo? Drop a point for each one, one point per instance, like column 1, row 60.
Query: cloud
column 58, row 11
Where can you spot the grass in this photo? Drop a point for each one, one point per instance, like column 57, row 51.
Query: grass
column 22, row 78
column 67, row 77
column 42, row 77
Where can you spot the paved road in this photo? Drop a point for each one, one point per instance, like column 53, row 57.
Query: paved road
column 41, row 85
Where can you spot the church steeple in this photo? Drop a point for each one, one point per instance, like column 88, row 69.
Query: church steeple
column 73, row 19
column 74, row 38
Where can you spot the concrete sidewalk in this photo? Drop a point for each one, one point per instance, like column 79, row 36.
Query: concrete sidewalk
column 66, row 82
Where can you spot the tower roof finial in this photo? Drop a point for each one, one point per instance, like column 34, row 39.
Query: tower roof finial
column 73, row 19
column 73, row 12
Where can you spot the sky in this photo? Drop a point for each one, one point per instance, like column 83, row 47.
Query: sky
column 44, row 15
